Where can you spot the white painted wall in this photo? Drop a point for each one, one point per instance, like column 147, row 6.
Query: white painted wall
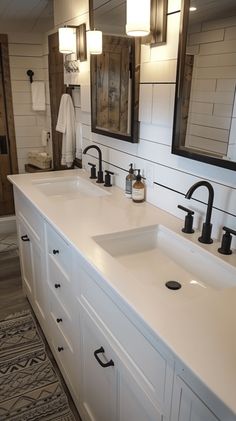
column 172, row 175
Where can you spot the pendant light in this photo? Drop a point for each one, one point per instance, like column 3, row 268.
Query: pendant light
column 67, row 40
column 94, row 41
column 138, row 17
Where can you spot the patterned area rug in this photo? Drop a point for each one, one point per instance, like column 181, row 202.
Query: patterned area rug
column 29, row 387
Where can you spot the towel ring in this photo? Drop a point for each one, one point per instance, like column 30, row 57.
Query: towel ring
column 30, row 73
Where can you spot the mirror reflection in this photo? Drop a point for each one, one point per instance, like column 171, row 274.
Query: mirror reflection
column 114, row 74
column 205, row 115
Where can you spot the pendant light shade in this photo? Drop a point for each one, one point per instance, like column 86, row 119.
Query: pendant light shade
column 138, row 17
column 67, row 40
column 94, row 42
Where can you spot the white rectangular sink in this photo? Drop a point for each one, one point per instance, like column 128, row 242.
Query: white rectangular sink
column 158, row 255
column 69, row 186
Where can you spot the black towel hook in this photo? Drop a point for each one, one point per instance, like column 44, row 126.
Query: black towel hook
column 30, row 73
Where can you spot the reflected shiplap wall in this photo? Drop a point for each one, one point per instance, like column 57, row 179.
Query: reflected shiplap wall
column 26, row 52
column 168, row 176
column 213, row 45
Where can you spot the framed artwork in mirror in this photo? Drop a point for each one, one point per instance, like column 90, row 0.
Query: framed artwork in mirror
column 205, row 103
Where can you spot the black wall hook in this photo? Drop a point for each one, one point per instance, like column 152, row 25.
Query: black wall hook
column 30, row 73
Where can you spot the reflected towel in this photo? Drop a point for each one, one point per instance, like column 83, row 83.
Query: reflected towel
column 38, row 96
column 66, row 126
column 79, row 138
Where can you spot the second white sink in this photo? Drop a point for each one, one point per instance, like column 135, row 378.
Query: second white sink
column 158, row 255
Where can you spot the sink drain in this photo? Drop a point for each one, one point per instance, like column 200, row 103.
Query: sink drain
column 173, row 285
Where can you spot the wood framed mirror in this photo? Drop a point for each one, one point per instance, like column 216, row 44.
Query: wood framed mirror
column 205, row 103
column 115, row 74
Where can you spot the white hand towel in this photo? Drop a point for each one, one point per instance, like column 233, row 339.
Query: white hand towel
column 79, row 138
column 38, row 96
column 44, row 138
column 66, row 125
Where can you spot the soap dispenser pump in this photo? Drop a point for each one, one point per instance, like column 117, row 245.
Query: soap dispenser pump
column 138, row 191
column 130, row 178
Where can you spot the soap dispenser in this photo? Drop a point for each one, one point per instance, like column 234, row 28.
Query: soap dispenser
column 129, row 182
column 138, row 190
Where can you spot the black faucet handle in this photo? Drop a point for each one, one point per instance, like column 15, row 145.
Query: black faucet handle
column 226, row 241
column 108, row 178
column 93, row 170
column 188, row 223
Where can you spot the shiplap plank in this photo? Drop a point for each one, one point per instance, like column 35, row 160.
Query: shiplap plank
column 25, row 50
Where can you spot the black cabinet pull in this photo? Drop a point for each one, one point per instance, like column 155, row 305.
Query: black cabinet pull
column 25, row 238
column 101, row 351
column 55, row 251
column 59, row 320
column 60, row 348
column 57, row 286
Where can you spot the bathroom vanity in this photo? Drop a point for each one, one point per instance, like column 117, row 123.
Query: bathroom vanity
column 94, row 267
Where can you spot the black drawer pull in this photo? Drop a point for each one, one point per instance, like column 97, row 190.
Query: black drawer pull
column 57, row 286
column 60, row 348
column 25, row 238
column 101, row 351
column 55, row 251
column 59, row 320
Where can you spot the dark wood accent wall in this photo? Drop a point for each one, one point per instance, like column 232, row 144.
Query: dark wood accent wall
column 8, row 154
column 57, row 88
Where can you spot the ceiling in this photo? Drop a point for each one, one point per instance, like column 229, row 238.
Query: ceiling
column 26, row 15
column 212, row 9
column 109, row 16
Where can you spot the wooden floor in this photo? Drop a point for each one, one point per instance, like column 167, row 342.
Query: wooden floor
column 13, row 301
column 11, row 296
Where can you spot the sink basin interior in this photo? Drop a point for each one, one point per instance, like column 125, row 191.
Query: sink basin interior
column 158, row 255
column 69, row 186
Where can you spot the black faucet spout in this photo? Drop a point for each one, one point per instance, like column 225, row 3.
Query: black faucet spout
column 207, row 226
column 100, row 172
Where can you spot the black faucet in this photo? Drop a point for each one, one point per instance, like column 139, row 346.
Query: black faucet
column 100, row 172
column 207, row 226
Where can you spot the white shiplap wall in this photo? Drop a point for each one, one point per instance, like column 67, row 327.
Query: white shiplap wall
column 213, row 86
column 25, row 52
column 168, row 176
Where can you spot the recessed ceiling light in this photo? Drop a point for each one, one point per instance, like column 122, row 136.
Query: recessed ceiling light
column 192, row 9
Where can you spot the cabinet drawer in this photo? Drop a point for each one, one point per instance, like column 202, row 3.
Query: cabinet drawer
column 27, row 212
column 62, row 319
column 58, row 250
column 64, row 355
column 155, row 369
column 61, row 286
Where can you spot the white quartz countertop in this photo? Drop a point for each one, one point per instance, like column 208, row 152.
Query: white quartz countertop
column 199, row 329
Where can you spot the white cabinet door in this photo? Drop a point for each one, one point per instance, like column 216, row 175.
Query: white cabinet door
column 134, row 404
column 111, row 392
column 99, row 383
column 188, row 406
column 32, row 270
column 26, row 258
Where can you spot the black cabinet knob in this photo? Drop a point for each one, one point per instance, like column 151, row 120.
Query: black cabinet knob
column 55, row 251
column 57, row 286
column 59, row 320
column 60, row 348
